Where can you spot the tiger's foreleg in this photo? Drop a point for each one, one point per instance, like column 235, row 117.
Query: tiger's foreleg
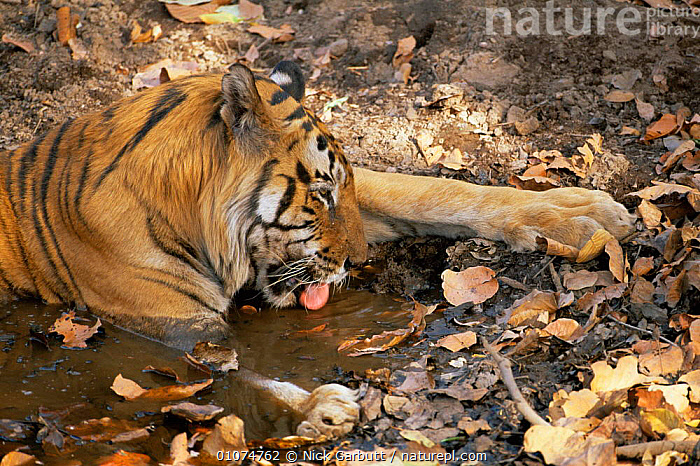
column 395, row 205
column 330, row 410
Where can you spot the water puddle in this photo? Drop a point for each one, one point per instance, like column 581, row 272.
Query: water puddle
column 74, row 385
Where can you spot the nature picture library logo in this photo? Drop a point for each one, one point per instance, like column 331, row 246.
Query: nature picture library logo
column 554, row 20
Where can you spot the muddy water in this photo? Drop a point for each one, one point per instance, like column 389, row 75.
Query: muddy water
column 75, row 384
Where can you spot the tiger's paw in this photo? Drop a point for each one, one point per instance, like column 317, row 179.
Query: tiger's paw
column 567, row 215
column 330, row 410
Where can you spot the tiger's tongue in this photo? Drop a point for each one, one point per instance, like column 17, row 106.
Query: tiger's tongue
column 315, row 296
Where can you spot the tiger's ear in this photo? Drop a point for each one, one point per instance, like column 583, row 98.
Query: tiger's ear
column 242, row 108
column 289, row 77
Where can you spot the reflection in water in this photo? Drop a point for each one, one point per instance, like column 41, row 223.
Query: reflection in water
column 269, row 342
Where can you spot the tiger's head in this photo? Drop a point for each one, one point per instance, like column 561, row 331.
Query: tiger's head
column 306, row 230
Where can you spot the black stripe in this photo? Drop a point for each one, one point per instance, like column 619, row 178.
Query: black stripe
column 321, row 143
column 307, row 126
column 209, row 265
column 18, row 238
column 43, row 193
column 77, row 199
column 191, row 260
column 168, row 102
column 296, row 114
column 263, row 179
column 292, row 145
column 279, row 226
column 26, row 162
column 286, row 199
column 278, row 97
column 303, row 173
column 303, row 240
column 81, row 135
column 308, row 210
column 176, row 288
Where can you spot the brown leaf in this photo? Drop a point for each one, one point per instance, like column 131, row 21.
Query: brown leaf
column 192, row 411
column 217, row 357
column 587, row 154
column 249, row 10
column 389, row 338
column 692, row 161
column 538, row 305
column 651, row 215
column 663, row 189
column 457, row 341
column 666, row 361
column 642, row 291
column 539, row 169
column 624, row 376
column 565, row 329
column 617, row 263
column 132, row 391
column 532, row 183
column 663, row 127
column 25, row 44
column 596, row 142
column 102, row 430
column 179, row 453
column 403, row 74
column 138, row 35
column 252, row 54
column 594, row 246
column 65, row 26
column 404, row 51
column 555, row 248
column 151, row 75
column 17, row 458
column 164, row 371
column 643, row 266
column 228, row 435
column 125, row 458
column 248, row 309
column 676, row 286
column 579, row 280
column 629, row 131
column 645, row 110
column 74, row 335
column 471, row 427
column 284, row 34
column 658, row 422
column 475, row 285
column 192, row 13
column 619, row 96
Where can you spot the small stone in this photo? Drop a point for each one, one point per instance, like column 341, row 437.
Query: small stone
column 610, row 55
column 339, row 47
column 528, row 126
column 515, row 114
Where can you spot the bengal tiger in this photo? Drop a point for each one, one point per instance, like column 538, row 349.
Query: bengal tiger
column 155, row 211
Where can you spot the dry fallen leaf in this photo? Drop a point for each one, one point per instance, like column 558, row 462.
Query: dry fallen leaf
column 579, row 280
column 642, row 266
column 404, row 51
column 617, row 263
column 657, row 422
column 587, row 154
column 645, row 110
column 17, row 458
column 538, row 305
column 458, row 341
column 132, row 391
column 389, row 338
column 249, row 10
column 624, row 376
column 190, row 11
column 151, row 76
column 629, row 131
column 102, row 430
column 284, row 34
column 25, row 44
column 228, row 435
column 651, row 215
column 661, row 362
column 664, row 126
column 560, row 445
column 217, row 357
column 619, row 96
column 565, row 329
column 192, row 411
column 475, row 285
column 65, row 26
column 138, row 35
column 532, row 183
column 125, row 458
column 74, row 335
column 554, row 248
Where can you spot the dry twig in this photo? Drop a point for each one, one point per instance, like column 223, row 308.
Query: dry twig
column 636, row 451
column 507, row 376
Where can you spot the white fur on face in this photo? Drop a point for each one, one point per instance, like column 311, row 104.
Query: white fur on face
column 269, row 201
